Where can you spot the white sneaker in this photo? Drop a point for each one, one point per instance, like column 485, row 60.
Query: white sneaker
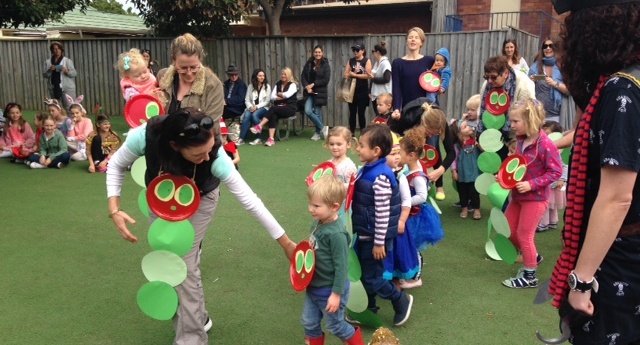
column 208, row 324
column 35, row 165
column 256, row 142
column 239, row 142
column 325, row 132
column 315, row 137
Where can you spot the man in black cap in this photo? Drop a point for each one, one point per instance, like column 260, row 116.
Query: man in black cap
column 234, row 91
column 597, row 272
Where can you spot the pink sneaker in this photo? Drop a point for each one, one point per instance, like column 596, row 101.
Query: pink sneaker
column 270, row 142
column 256, row 129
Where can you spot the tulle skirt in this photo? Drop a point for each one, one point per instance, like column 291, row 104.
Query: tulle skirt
column 425, row 227
column 402, row 262
column 557, row 199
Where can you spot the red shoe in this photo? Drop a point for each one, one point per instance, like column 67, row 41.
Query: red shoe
column 356, row 339
column 314, row 341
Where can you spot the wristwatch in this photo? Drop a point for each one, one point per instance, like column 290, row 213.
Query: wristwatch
column 576, row 284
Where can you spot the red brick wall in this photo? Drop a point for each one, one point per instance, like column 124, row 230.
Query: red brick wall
column 474, row 22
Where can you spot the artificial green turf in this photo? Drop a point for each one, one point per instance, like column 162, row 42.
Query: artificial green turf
column 68, row 277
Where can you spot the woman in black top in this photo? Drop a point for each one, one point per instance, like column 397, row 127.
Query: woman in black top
column 314, row 79
column 358, row 67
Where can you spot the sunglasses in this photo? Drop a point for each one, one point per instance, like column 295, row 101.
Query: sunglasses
column 355, row 50
column 545, row 46
column 490, row 77
column 192, row 130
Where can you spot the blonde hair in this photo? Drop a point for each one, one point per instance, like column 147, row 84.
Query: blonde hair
column 433, row 118
column 186, row 44
column 329, row 188
column 129, row 61
column 532, row 113
column 339, row 131
column 474, row 102
column 62, row 111
column 290, row 78
column 385, row 97
column 413, row 141
column 420, row 33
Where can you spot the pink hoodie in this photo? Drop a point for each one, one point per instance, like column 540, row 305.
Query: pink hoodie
column 129, row 89
column 81, row 129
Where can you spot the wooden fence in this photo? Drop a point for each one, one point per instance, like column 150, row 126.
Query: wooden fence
column 22, row 67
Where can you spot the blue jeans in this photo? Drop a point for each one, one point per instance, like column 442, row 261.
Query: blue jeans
column 250, row 119
column 314, row 112
column 372, row 271
column 63, row 158
column 315, row 302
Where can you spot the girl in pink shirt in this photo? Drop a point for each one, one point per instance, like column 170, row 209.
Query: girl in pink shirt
column 82, row 127
column 136, row 78
column 17, row 137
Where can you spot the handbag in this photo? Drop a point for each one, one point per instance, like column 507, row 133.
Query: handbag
column 346, row 90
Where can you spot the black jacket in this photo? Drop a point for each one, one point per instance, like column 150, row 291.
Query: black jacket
column 321, row 81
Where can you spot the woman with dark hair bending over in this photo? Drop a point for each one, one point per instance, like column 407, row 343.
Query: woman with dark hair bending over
column 601, row 68
column 186, row 143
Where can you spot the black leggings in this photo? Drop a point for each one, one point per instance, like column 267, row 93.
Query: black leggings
column 359, row 107
column 469, row 196
column 279, row 112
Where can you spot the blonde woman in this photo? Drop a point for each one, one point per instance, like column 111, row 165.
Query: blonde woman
column 285, row 103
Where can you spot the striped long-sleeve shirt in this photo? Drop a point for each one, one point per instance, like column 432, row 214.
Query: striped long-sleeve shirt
column 382, row 196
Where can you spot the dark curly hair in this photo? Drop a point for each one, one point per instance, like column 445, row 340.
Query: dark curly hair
column 598, row 41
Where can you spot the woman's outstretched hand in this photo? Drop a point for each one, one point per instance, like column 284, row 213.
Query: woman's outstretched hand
column 287, row 245
column 120, row 219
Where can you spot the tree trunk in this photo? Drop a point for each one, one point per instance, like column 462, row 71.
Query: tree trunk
column 273, row 23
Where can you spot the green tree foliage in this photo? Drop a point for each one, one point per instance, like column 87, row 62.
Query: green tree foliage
column 202, row 18
column 33, row 13
column 108, row 6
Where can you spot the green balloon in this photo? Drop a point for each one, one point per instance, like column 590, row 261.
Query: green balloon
column 493, row 121
column 158, row 300
column 142, row 202
column 358, row 299
column 499, row 222
column 497, row 195
column 491, row 140
column 175, row 237
column 355, row 272
column 489, row 162
column 138, row 168
column 164, row 266
column 483, row 182
column 505, row 249
column 490, row 249
column 366, row 318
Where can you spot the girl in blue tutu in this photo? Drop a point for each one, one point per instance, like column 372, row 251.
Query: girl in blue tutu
column 402, row 263
column 423, row 225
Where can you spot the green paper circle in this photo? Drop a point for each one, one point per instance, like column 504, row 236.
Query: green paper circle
column 490, row 249
column 328, row 171
column 358, row 299
column 164, row 266
column 493, row 121
column 309, row 260
column 431, row 154
column 518, row 175
column 355, row 272
column 491, row 140
column 165, row 190
column 317, row 174
column 175, row 237
column 566, row 156
column 499, row 222
column 497, row 195
column 185, row 195
column 502, row 100
column 512, row 165
column 483, row 182
column 158, row 300
column 489, row 162
column 435, row 83
column 138, row 169
column 505, row 249
column 428, row 77
column 493, row 99
column 152, row 110
column 142, row 203
column 366, row 318
column 489, row 227
column 299, row 261
column 555, row 136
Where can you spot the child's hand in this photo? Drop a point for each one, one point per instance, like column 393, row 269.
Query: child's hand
column 523, row 186
column 454, row 174
column 92, row 168
column 47, row 162
column 43, row 160
column 560, row 185
column 396, row 114
column 379, row 252
column 333, row 303
column 441, row 90
column 401, row 225
column 102, row 164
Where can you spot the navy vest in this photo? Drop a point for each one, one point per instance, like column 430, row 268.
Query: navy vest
column 205, row 181
column 363, row 205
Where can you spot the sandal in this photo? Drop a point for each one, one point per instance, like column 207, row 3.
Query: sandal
column 464, row 215
column 477, row 216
